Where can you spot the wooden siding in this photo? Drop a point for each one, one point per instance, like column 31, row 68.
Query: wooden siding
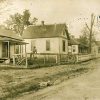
column 55, row 45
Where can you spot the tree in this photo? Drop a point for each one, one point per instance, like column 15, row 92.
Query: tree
column 91, row 31
column 88, row 36
column 18, row 22
column 85, row 37
column 15, row 22
column 26, row 17
column 33, row 21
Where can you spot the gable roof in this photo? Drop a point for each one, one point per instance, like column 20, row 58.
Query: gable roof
column 9, row 34
column 97, row 43
column 44, row 31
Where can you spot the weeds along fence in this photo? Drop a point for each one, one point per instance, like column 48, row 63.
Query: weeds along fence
column 30, row 59
column 39, row 59
column 84, row 57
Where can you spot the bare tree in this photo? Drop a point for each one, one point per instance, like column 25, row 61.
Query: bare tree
column 90, row 28
column 85, row 37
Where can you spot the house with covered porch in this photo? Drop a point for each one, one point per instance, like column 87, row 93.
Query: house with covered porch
column 10, row 44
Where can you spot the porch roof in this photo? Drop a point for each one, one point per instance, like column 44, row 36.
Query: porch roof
column 74, row 41
column 9, row 33
column 12, row 41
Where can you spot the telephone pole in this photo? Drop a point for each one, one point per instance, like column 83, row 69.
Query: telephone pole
column 91, row 31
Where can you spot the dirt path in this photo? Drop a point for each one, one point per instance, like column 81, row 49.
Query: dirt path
column 84, row 87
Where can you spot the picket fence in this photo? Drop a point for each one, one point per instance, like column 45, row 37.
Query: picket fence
column 29, row 59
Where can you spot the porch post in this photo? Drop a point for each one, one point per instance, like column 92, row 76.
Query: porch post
column 26, row 56
column 8, row 50
column 25, row 48
column 20, row 48
column 14, row 48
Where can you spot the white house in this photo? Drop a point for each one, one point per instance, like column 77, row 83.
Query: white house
column 73, row 46
column 48, row 39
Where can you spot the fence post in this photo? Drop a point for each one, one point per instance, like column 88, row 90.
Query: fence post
column 44, row 59
column 56, row 59
column 26, row 60
column 13, row 60
column 77, row 59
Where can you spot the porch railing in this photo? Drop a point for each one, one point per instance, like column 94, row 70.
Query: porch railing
column 18, row 58
column 36, row 58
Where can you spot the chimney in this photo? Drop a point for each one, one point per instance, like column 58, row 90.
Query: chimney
column 42, row 22
column 55, row 26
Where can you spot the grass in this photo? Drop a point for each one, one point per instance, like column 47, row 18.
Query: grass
column 16, row 81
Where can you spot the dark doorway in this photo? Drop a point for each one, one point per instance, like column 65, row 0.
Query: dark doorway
column 5, row 49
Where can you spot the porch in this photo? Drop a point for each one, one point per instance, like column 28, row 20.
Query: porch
column 9, row 46
column 83, row 49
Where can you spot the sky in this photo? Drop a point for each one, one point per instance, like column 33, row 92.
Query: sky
column 72, row 12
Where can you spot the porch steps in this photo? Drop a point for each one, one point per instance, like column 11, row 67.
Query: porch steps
column 2, row 60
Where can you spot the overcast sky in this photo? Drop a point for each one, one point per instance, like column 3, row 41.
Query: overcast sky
column 72, row 12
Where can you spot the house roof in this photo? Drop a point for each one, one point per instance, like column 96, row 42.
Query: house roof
column 9, row 34
column 73, row 42
column 97, row 43
column 44, row 31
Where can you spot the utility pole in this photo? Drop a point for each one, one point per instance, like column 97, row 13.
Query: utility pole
column 90, row 31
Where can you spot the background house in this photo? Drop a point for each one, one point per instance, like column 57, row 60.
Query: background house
column 52, row 39
column 96, row 48
column 75, row 47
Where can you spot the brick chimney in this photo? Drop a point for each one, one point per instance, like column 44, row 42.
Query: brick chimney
column 42, row 22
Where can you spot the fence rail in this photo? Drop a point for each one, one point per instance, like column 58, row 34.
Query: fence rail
column 32, row 59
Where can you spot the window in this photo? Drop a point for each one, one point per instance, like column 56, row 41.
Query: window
column 74, row 48
column 17, row 49
column 33, row 44
column 98, row 49
column 47, row 45
column 63, row 45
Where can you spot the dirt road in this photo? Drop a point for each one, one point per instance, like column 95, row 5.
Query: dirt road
column 84, row 87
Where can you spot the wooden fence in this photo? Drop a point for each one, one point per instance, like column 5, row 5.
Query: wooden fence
column 85, row 57
column 33, row 59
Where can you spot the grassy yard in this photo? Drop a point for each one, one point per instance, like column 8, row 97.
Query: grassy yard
column 15, row 81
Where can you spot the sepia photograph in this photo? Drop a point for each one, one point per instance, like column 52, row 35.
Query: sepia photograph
column 49, row 49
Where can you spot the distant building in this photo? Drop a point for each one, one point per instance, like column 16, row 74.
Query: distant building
column 75, row 47
column 96, row 48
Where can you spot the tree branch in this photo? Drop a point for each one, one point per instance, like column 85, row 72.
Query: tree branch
column 87, row 27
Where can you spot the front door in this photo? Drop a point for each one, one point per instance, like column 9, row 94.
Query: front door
column 5, row 50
